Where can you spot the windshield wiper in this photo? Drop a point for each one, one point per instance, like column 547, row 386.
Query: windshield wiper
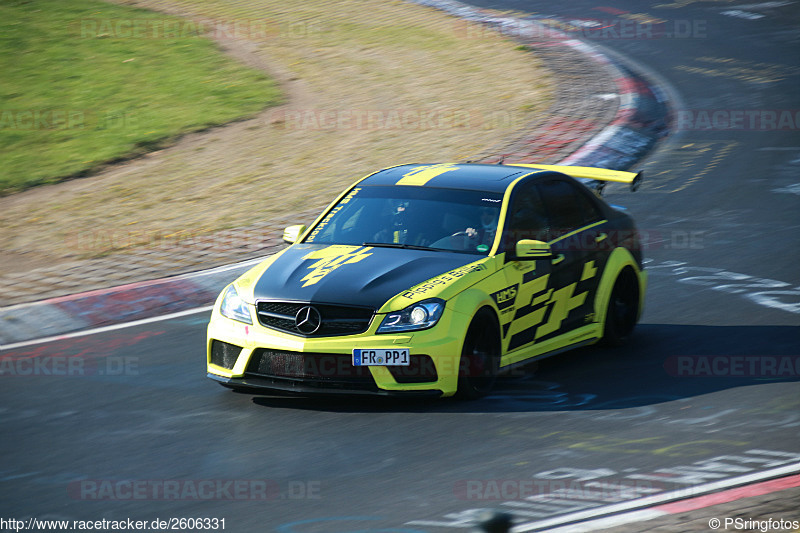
column 398, row 245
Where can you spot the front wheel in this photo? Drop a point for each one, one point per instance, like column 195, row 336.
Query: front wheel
column 480, row 357
column 623, row 309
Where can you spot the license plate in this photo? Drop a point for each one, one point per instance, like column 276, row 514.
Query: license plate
column 380, row 356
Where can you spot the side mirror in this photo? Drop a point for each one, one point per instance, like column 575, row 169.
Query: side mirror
column 292, row 233
column 528, row 249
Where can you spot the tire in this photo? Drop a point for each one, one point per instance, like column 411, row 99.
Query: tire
column 480, row 357
column 622, row 312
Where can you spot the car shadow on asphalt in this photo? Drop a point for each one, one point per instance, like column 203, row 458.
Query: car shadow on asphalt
column 661, row 363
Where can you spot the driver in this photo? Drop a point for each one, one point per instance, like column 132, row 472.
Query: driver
column 487, row 227
column 408, row 225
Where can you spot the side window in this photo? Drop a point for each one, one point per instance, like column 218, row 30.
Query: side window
column 567, row 207
column 590, row 211
column 527, row 218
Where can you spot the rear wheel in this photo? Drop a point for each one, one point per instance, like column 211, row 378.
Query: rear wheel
column 623, row 309
column 480, row 357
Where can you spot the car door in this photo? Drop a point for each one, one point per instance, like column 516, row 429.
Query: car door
column 545, row 298
column 577, row 235
column 524, row 302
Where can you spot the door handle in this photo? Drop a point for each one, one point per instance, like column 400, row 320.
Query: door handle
column 557, row 259
column 601, row 237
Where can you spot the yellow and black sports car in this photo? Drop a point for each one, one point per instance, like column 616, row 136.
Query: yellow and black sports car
column 431, row 279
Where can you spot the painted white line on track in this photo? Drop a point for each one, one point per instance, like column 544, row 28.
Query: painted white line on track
column 611, row 521
column 648, row 501
column 105, row 329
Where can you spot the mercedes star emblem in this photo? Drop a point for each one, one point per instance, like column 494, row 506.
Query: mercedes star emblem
column 307, row 320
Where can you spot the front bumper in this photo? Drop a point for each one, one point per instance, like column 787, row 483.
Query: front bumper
column 324, row 365
column 258, row 384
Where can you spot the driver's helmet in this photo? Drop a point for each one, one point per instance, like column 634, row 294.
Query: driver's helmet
column 489, row 218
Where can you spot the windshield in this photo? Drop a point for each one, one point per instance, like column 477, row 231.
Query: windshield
column 412, row 217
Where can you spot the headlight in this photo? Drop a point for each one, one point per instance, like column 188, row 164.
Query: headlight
column 421, row 315
column 234, row 307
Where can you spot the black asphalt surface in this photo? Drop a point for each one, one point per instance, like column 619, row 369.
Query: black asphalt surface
column 708, row 388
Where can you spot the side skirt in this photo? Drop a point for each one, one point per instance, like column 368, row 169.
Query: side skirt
column 583, row 336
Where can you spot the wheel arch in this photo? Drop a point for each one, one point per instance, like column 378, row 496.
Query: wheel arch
column 471, row 302
column 619, row 260
column 479, row 362
column 491, row 313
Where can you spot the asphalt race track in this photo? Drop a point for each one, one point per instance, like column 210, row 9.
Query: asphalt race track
column 707, row 391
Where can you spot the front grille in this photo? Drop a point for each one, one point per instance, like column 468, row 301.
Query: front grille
column 421, row 370
column 319, row 367
column 336, row 319
column 224, row 354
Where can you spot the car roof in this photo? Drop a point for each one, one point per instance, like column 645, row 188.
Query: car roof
column 471, row 176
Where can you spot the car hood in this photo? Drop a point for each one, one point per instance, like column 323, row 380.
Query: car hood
column 352, row 275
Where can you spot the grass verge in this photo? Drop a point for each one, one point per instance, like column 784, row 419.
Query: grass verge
column 86, row 82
